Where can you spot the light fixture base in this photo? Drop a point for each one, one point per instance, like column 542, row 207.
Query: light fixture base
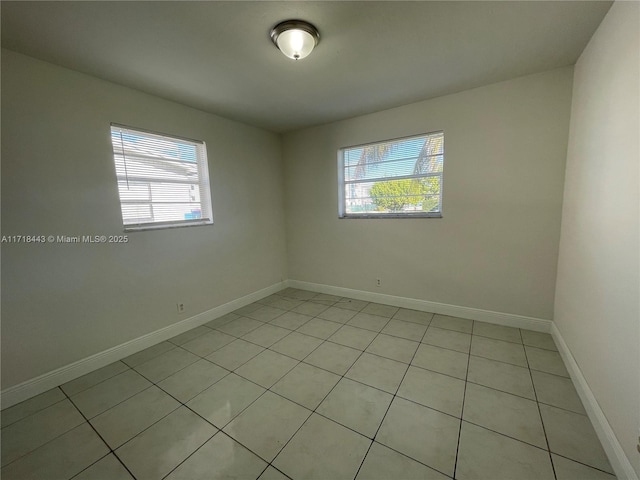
column 295, row 38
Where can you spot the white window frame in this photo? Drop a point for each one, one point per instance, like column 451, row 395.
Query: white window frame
column 342, row 184
column 151, row 159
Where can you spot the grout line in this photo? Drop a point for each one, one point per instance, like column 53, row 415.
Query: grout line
column 101, row 437
column 464, row 397
column 50, row 440
column 612, row 475
column 324, row 398
column 35, row 411
column 544, row 430
column 390, row 403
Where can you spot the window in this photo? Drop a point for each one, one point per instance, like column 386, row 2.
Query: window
column 163, row 181
column 394, row 178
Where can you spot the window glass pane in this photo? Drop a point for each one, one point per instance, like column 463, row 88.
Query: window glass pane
column 397, row 177
column 162, row 180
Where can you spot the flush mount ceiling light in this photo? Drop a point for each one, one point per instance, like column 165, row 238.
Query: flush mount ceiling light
column 295, row 38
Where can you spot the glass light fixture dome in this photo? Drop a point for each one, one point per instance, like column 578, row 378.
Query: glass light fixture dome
column 295, row 38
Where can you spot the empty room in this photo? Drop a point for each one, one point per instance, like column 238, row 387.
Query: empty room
column 320, row 240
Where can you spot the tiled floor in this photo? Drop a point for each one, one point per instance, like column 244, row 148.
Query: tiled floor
column 310, row 386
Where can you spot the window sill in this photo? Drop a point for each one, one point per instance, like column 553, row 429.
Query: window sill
column 392, row 215
column 164, row 226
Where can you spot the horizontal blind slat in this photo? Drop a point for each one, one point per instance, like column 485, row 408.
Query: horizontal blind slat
column 394, row 176
column 162, row 180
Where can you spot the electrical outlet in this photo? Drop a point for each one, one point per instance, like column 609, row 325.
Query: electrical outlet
column 378, row 282
column 180, row 307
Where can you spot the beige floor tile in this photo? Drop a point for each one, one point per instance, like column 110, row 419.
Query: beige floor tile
column 266, row 368
column 351, row 304
column 569, row 470
column 148, row 353
column 356, row 406
column 546, row 361
column 29, row 407
column 433, row 390
column 285, row 303
column 326, row 297
column 353, row 337
column 407, row 330
column 440, row 337
column 368, row 321
column 61, row 458
column 223, row 401
column 498, row 332
column 240, row 326
column 306, row 385
column 252, row 307
column 266, row 335
column 299, row 294
column 380, row 309
column 462, row 325
column 33, row 431
column 107, row 468
column 557, row 391
column 273, row 474
column 572, row 435
column 319, row 328
column 328, row 303
column 441, row 360
column 538, row 339
column 162, row 366
column 268, row 300
column 103, row 396
column 218, row 322
column 377, row 372
column 335, row 314
column 323, row 450
column 296, row 345
column 477, row 458
column 267, row 425
column 382, row 463
column 333, row 357
column 421, row 433
column 290, row 320
column 499, row 350
column 394, row 348
column 501, row 376
column 221, row 457
column 208, row 343
column 310, row 308
column 415, row 316
column 266, row 313
column 93, row 378
column 155, row 452
column 189, row 335
column 190, row 381
column 504, row 413
column 124, row 421
column 235, row 354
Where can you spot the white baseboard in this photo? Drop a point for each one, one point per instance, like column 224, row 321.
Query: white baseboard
column 25, row 390
column 499, row 318
column 618, row 459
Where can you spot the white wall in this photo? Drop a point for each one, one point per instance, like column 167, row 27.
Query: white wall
column 62, row 303
column 596, row 306
column 496, row 246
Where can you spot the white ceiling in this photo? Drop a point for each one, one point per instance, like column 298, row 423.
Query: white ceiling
column 217, row 56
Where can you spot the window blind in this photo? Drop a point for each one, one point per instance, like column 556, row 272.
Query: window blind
column 163, row 181
column 393, row 178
